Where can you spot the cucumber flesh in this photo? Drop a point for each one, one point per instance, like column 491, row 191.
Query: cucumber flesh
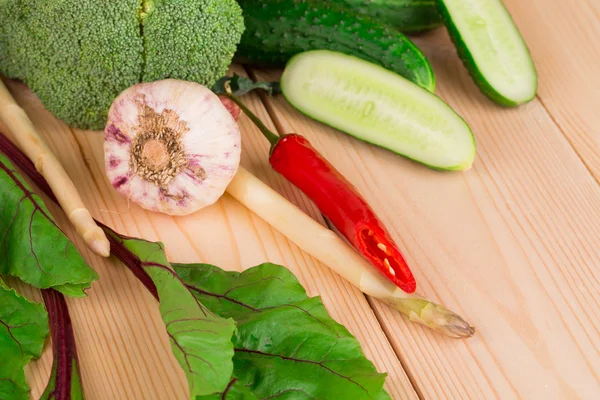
column 379, row 107
column 492, row 49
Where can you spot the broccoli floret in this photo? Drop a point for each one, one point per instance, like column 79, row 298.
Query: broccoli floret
column 199, row 47
column 78, row 55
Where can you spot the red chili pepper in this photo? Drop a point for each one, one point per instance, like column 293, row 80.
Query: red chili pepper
column 294, row 158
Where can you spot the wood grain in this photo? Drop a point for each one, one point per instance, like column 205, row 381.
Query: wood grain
column 124, row 349
column 512, row 245
column 563, row 37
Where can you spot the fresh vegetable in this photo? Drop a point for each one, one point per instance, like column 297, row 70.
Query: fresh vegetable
column 34, row 249
column 200, row 340
column 23, row 330
column 262, row 301
column 294, row 157
column 406, row 15
column 492, row 49
column 276, row 30
column 65, row 381
column 78, row 55
column 171, row 146
column 247, row 310
column 239, row 335
column 378, row 106
column 328, row 248
column 317, row 241
column 46, row 163
column 269, row 298
column 355, row 223
column 332, row 251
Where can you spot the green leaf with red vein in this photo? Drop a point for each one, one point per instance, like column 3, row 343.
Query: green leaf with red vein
column 32, row 246
column 287, row 345
column 200, row 340
column 23, row 330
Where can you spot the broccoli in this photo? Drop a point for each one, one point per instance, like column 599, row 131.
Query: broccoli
column 78, row 55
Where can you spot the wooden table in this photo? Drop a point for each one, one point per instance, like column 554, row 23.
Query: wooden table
column 513, row 244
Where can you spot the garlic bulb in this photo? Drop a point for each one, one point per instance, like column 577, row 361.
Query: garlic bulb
column 171, row 146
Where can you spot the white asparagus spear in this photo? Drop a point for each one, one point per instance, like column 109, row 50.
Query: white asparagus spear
column 331, row 250
column 28, row 139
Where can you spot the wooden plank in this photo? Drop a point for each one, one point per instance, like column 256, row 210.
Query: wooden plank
column 511, row 244
column 124, row 351
column 563, row 39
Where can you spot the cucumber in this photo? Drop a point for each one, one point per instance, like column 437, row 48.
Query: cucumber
column 492, row 49
column 408, row 16
column 378, row 106
column 276, row 30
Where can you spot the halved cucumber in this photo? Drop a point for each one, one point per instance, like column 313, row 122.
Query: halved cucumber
column 379, row 107
column 492, row 49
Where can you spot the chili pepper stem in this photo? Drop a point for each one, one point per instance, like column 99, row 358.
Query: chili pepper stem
column 272, row 137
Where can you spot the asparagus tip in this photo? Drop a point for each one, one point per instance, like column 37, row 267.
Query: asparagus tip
column 98, row 243
column 433, row 316
column 454, row 325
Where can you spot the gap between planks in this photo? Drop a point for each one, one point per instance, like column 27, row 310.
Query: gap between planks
column 587, row 165
column 566, row 59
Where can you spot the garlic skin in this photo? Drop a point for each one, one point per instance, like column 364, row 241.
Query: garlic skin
column 171, row 146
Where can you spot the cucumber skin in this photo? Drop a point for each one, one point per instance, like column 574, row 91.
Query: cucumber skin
column 469, row 62
column 462, row 167
column 408, row 16
column 277, row 30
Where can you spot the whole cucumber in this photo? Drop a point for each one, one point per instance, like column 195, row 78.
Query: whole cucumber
column 408, row 16
column 277, row 30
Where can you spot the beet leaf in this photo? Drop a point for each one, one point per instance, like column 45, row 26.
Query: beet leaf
column 32, row 246
column 287, row 345
column 236, row 390
column 200, row 339
column 23, row 330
